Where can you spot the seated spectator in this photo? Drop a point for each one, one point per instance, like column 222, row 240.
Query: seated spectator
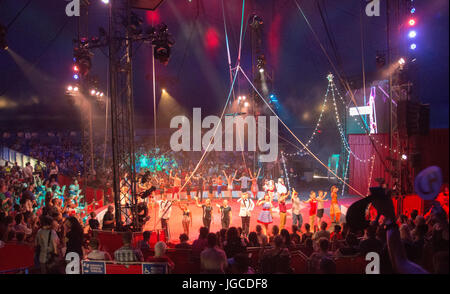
column 277, row 260
column 295, row 236
column 127, row 253
column 307, row 233
column 440, row 262
column 327, row 266
column 20, row 237
column 323, row 233
column 350, row 248
column 261, row 237
column 275, row 232
column 20, row 225
column 160, row 255
column 213, row 260
column 253, row 240
column 241, row 265
column 183, row 242
column 336, row 235
column 323, row 252
column 95, row 253
column 309, row 247
column 286, row 239
column 144, row 244
column 200, row 244
column 233, row 245
column 371, row 243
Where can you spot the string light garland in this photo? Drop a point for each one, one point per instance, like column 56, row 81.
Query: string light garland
column 371, row 173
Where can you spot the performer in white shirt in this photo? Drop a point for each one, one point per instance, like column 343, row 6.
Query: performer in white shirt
column 165, row 209
column 281, row 188
column 246, row 208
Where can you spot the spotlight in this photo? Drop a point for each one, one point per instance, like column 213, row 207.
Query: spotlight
column 261, row 70
column 97, row 94
column 75, row 76
column 75, row 68
column 164, row 90
column 246, row 104
column 93, row 92
column 412, row 34
column 412, row 22
column 243, row 97
column 401, row 61
column 413, row 46
column 413, row 10
column 75, row 89
column 105, row 1
column 101, row 94
column 404, row 157
column 70, row 88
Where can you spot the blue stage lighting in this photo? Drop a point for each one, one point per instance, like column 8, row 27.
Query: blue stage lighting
column 412, row 34
column 75, row 76
column 413, row 46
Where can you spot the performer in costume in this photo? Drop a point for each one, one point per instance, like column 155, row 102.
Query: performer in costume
column 265, row 216
column 219, row 182
column 207, row 212
column 188, row 183
column 254, row 179
column 246, row 208
column 225, row 214
column 320, row 209
column 312, row 209
column 200, row 184
column 229, row 180
column 297, row 218
column 335, row 211
column 283, row 209
column 186, row 221
column 165, row 210
column 210, row 188
column 271, row 189
column 176, row 185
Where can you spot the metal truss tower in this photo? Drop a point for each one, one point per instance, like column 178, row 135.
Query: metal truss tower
column 122, row 116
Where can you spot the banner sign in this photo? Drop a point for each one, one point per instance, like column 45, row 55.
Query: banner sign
column 93, row 267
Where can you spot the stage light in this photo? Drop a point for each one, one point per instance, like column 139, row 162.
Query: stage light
column 75, row 89
column 412, row 34
column 105, row 1
column 261, row 70
column 412, row 22
column 164, row 90
column 75, row 76
column 413, row 46
column 401, row 61
column 92, row 92
column 246, row 104
column 413, row 10
column 70, row 88
column 404, row 157
column 75, row 68
column 97, row 94
column 243, row 97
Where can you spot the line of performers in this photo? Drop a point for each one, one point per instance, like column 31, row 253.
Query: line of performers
column 247, row 205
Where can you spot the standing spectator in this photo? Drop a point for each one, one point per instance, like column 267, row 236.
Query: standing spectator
column 307, row 234
column 108, row 219
column 200, row 243
column 47, row 242
column 28, row 172
column 74, row 236
column 144, row 244
column 371, row 243
column 213, row 260
column 93, row 222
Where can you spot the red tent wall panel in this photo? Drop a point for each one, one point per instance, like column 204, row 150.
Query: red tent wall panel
column 434, row 151
column 359, row 172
